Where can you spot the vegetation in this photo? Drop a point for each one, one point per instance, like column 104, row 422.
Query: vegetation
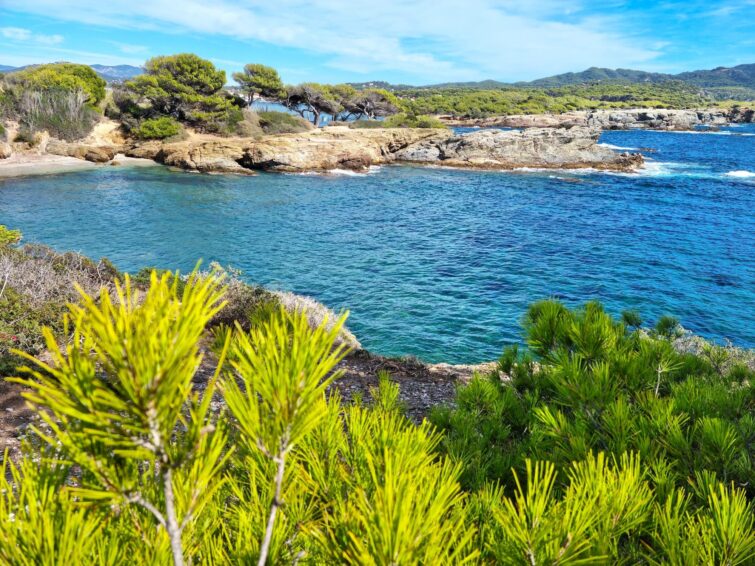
column 184, row 87
column 273, row 122
column 260, row 81
column 408, row 120
column 61, row 98
column 593, row 397
column 8, row 237
column 158, row 128
column 473, row 103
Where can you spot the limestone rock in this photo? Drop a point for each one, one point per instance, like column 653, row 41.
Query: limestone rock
column 95, row 154
column 5, row 150
column 537, row 147
column 317, row 150
column 345, row 148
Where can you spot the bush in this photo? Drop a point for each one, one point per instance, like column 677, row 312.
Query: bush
column 70, row 77
column 365, row 124
column 9, row 237
column 596, row 386
column 36, row 283
column 25, row 136
column 282, row 123
column 3, row 132
column 158, row 129
column 411, row 121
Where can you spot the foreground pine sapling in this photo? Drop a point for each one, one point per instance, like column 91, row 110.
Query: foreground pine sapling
column 285, row 368
column 120, row 404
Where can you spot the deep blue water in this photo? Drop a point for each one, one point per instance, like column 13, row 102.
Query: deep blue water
column 440, row 263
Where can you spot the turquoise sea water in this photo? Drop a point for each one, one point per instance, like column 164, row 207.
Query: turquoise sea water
column 440, row 263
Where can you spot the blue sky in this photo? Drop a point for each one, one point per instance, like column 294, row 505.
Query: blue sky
column 409, row 41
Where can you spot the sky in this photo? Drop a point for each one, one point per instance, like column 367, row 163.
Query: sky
column 400, row 41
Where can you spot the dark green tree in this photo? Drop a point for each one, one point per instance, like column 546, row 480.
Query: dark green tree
column 314, row 98
column 185, row 87
column 259, row 80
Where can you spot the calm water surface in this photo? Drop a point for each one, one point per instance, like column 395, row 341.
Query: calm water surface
column 440, row 263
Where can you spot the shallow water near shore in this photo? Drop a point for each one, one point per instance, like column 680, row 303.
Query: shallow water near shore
column 440, row 263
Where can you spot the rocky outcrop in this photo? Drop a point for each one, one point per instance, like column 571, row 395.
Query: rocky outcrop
column 345, row 148
column 357, row 149
column 205, row 157
column 319, row 150
column 95, row 154
column 5, row 150
column 562, row 148
column 660, row 119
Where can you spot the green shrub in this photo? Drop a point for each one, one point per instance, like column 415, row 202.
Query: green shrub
column 25, row 136
column 366, row 124
column 9, row 237
column 61, row 76
column 158, row 128
column 282, row 123
column 595, row 386
column 3, row 132
column 404, row 120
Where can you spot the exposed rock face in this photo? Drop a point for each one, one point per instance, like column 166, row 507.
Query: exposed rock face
column 344, row 148
column 5, row 150
column 319, row 150
column 617, row 119
column 206, row 157
column 564, row 148
column 95, row 154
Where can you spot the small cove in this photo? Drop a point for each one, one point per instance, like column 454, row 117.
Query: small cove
column 435, row 262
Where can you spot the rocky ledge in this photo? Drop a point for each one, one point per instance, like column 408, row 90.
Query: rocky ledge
column 344, row 148
column 341, row 147
column 555, row 148
column 651, row 119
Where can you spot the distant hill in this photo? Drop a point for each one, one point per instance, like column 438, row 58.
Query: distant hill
column 117, row 72
column 741, row 75
column 598, row 74
column 109, row 73
column 722, row 79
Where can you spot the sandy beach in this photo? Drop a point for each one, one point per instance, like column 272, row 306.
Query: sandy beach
column 23, row 164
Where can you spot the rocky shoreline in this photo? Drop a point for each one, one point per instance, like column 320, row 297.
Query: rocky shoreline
column 641, row 118
column 340, row 147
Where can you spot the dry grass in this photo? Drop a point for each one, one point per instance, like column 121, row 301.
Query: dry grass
column 42, row 276
column 317, row 314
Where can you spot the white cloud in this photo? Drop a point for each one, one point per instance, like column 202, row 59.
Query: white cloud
column 49, row 39
column 129, row 48
column 430, row 39
column 17, row 34
column 25, row 35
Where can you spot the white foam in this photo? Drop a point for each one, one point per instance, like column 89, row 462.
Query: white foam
column 741, row 174
column 706, row 133
column 617, row 147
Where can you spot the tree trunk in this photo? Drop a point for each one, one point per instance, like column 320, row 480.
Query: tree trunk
column 171, row 521
column 265, row 548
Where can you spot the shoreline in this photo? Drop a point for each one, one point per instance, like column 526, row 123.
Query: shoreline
column 36, row 164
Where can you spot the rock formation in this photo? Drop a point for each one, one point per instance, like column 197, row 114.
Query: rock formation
column 563, row 148
column 341, row 147
column 344, row 148
column 95, row 154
